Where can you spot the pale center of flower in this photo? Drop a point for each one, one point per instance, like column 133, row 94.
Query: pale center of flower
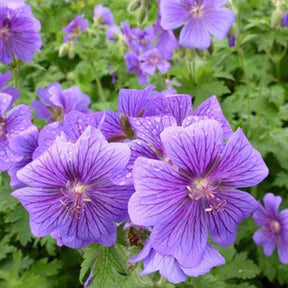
column 275, row 226
column 75, row 198
column 4, row 32
column 197, row 10
column 203, row 190
column 154, row 59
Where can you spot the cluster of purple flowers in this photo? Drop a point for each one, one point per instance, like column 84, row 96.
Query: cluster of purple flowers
column 19, row 32
column 156, row 164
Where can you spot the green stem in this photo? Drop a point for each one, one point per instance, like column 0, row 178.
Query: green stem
column 15, row 72
column 247, row 82
column 261, row 86
column 100, row 89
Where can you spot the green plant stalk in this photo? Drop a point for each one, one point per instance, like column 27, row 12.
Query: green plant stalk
column 247, row 82
column 261, row 87
column 15, row 72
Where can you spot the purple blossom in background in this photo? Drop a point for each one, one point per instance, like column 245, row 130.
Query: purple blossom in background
column 152, row 60
column 113, row 32
column 134, row 65
column 23, row 146
column 19, row 32
column 197, row 195
column 55, row 102
column 274, row 229
column 285, row 19
column 12, row 122
column 200, row 18
column 74, row 28
column 102, row 15
column 171, row 269
column 4, row 78
column 71, row 195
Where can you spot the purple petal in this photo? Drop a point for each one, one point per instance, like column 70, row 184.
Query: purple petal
column 240, row 164
column 134, row 102
column 4, row 78
column 223, row 222
column 211, row 258
column 174, row 13
column 219, row 21
column 260, row 237
column 283, row 237
column 184, row 234
column 111, row 126
column 195, row 34
column 193, row 149
column 272, row 204
column 45, row 209
column 5, row 103
column 159, row 189
column 41, row 111
column 96, row 159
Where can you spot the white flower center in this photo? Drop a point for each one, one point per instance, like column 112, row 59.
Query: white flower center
column 197, row 10
column 154, row 59
column 275, row 226
column 202, row 189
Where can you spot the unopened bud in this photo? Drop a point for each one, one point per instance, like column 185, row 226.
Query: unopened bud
column 276, row 18
column 142, row 13
column 63, row 50
column 134, row 5
column 71, row 52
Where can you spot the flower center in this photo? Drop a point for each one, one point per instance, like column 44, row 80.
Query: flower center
column 4, row 32
column 197, row 10
column 275, row 226
column 154, row 59
column 75, row 198
column 202, row 189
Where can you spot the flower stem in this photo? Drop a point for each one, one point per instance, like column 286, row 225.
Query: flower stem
column 247, row 82
column 15, row 72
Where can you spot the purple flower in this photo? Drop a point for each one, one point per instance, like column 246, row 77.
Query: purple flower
column 197, row 195
column 285, row 19
column 55, row 102
column 4, row 78
column 19, row 33
column 102, row 15
column 171, row 269
column 12, row 122
column 134, row 65
column 23, row 146
column 201, row 18
column 152, row 60
column 113, row 32
column 70, row 193
column 274, row 229
column 74, row 28
column 137, row 39
column 232, row 40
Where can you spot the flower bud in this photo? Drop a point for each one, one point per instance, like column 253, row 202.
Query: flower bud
column 142, row 13
column 276, row 18
column 134, row 5
column 63, row 50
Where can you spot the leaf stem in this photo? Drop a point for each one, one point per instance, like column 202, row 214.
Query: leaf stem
column 15, row 72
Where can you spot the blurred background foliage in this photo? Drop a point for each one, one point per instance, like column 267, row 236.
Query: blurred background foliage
column 250, row 81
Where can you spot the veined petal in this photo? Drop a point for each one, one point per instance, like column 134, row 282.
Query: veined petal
column 260, row 237
column 272, row 204
column 211, row 258
column 96, row 158
column 219, row 21
column 240, row 164
column 194, row 149
column 283, row 237
column 5, row 103
column 160, row 190
column 223, row 220
column 195, row 34
column 45, row 209
column 174, row 13
column 184, row 235
column 111, row 126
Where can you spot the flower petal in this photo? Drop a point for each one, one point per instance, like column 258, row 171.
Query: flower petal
column 194, row 149
column 159, row 191
column 184, row 235
column 174, row 13
column 240, row 164
column 223, row 221
column 272, row 204
column 261, row 238
column 219, row 21
column 195, row 34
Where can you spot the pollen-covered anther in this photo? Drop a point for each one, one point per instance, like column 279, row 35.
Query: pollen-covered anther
column 201, row 189
column 197, row 11
column 275, row 226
